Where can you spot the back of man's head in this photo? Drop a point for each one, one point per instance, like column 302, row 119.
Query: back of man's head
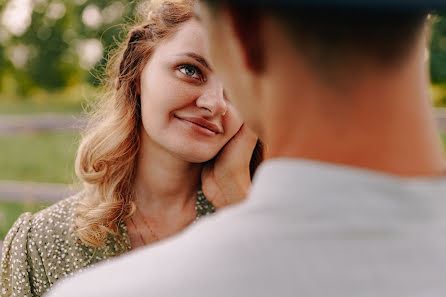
column 333, row 39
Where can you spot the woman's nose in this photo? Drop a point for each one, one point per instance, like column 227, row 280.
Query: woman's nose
column 213, row 101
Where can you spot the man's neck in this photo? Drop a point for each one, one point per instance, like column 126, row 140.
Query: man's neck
column 384, row 123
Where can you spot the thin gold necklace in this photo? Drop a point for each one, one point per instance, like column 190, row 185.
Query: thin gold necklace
column 139, row 233
column 149, row 227
column 202, row 208
column 156, row 237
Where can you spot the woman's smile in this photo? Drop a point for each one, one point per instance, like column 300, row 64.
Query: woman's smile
column 200, row 125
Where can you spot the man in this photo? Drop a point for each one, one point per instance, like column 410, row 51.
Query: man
column 351, row 201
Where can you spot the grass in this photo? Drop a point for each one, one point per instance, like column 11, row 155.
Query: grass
column 438, row 92
column 69, row 100
column 39, row 157
column 443, row 140
column 10, row 211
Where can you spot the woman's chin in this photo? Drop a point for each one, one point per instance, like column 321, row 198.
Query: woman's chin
column 196, row 157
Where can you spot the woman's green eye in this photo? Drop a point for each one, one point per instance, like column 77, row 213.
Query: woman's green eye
column 190, row 71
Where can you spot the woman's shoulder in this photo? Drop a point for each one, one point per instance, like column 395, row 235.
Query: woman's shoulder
column 52, row 231
column 43, row 247
column 56, row 218
column 63, row 207
column 51, row 225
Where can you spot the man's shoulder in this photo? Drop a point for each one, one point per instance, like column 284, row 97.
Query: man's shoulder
column 309, row 226
column 204, row 252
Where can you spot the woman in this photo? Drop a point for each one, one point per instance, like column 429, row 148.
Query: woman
column 153, row 143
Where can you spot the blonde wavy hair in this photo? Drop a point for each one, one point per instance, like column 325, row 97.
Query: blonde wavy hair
column 106, row 158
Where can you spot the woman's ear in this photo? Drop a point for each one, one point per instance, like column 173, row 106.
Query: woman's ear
column 246, row 25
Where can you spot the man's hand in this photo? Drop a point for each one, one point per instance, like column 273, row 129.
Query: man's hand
column 227, row 180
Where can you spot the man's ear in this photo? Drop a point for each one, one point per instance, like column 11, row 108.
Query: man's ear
column 246, row 25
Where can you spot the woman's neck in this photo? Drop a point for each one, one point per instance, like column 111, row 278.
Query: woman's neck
column 164, row 183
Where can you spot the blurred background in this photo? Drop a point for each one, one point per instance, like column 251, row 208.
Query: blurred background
column 52, row 54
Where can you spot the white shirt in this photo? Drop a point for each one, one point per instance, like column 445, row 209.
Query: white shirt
column 307, row 229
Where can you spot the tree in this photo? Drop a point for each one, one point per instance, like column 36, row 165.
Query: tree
column 52, row 44
column 438, row 50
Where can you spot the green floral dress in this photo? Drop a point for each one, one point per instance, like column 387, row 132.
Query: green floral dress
column 41, row 249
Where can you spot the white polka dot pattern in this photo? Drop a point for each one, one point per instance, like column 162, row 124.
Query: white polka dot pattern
column 41, row 249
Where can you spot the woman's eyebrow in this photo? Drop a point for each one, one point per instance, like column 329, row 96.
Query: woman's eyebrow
column 198, row 58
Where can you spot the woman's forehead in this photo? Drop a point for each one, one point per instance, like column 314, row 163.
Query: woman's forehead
column 189, row 37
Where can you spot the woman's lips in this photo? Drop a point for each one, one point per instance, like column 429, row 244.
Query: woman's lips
column 202, row 124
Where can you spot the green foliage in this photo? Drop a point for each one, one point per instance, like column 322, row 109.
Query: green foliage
column 51, row 46
column 38, row 157
column 438, row 92
column 438, row 50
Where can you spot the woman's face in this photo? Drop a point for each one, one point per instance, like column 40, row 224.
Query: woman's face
column 183, row 107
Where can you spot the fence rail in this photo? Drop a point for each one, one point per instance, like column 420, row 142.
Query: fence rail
column 31, row 191
column 11, row 124
column 440, row 117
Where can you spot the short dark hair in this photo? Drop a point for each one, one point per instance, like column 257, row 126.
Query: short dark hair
column 334, row 37
column 330, row 36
